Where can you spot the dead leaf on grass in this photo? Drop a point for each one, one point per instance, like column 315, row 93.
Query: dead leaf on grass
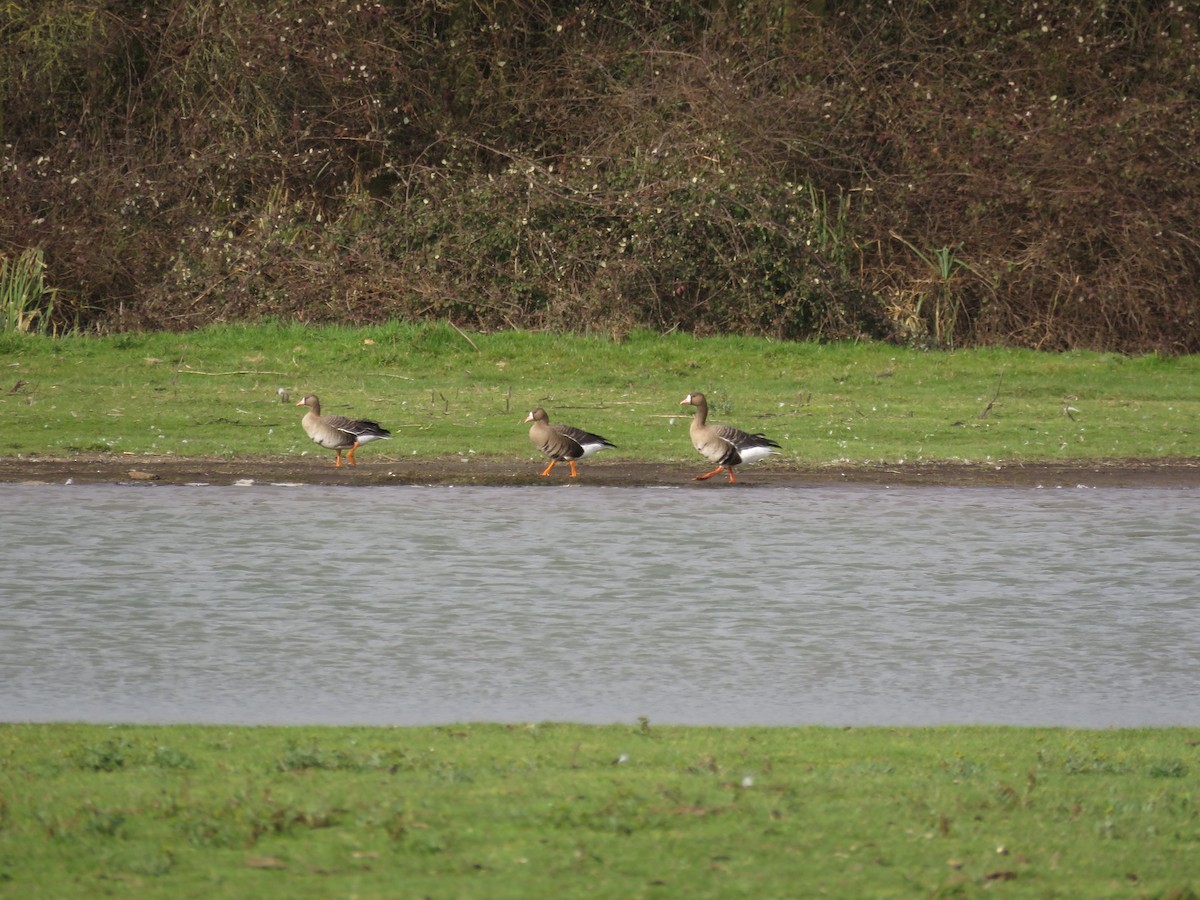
column 121, row 876
column 265, row 862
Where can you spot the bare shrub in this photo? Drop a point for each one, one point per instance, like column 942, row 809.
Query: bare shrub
column 943, row 174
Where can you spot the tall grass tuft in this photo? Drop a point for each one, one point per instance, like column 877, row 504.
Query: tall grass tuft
column 26, row 303
column 933, row 309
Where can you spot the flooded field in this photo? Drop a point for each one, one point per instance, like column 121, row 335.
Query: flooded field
column 790, row 605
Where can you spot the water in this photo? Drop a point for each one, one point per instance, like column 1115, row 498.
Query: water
column 414, row 605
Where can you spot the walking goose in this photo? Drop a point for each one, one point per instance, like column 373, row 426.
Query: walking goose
column 337, row 432
column 562, row 443
column 722, row 444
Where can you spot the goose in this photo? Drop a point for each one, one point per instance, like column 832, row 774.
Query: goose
column 722, row 444
column 562, row 443
column 337, row 432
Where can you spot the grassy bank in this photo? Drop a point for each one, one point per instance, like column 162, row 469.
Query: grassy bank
column 615, row 811
column 444, row 392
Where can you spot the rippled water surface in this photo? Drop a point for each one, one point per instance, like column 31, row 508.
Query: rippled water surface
column 408, row 605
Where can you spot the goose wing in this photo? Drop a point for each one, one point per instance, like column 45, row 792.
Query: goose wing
column 737, row 446
column 579, row 442
column 356, row 427
column 747, row 441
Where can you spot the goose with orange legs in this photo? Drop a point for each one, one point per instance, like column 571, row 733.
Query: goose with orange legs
column 338, row 432
column 563, row 443
column 724, row 445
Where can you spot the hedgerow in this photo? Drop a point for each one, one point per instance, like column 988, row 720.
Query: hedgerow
column 940, row 174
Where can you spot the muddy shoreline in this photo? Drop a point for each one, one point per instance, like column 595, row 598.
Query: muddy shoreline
column 139, row 469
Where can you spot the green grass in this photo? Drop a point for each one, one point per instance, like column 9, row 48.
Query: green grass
column 215, row 392
column 496, row 811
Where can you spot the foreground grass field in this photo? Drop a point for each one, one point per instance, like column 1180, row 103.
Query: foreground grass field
column 582, row 811
column 217, row 392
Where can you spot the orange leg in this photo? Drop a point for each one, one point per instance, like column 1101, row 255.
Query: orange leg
column 729, row 469
column 350, row 455
column 708, row 475
column 553, row 463
column 574, row 474
column 338, row 464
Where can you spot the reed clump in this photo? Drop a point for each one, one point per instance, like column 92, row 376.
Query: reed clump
column 26, row 302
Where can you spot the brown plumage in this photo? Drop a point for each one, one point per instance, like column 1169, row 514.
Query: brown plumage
column 562, row 443
column 337, row 432
column 722, row 444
